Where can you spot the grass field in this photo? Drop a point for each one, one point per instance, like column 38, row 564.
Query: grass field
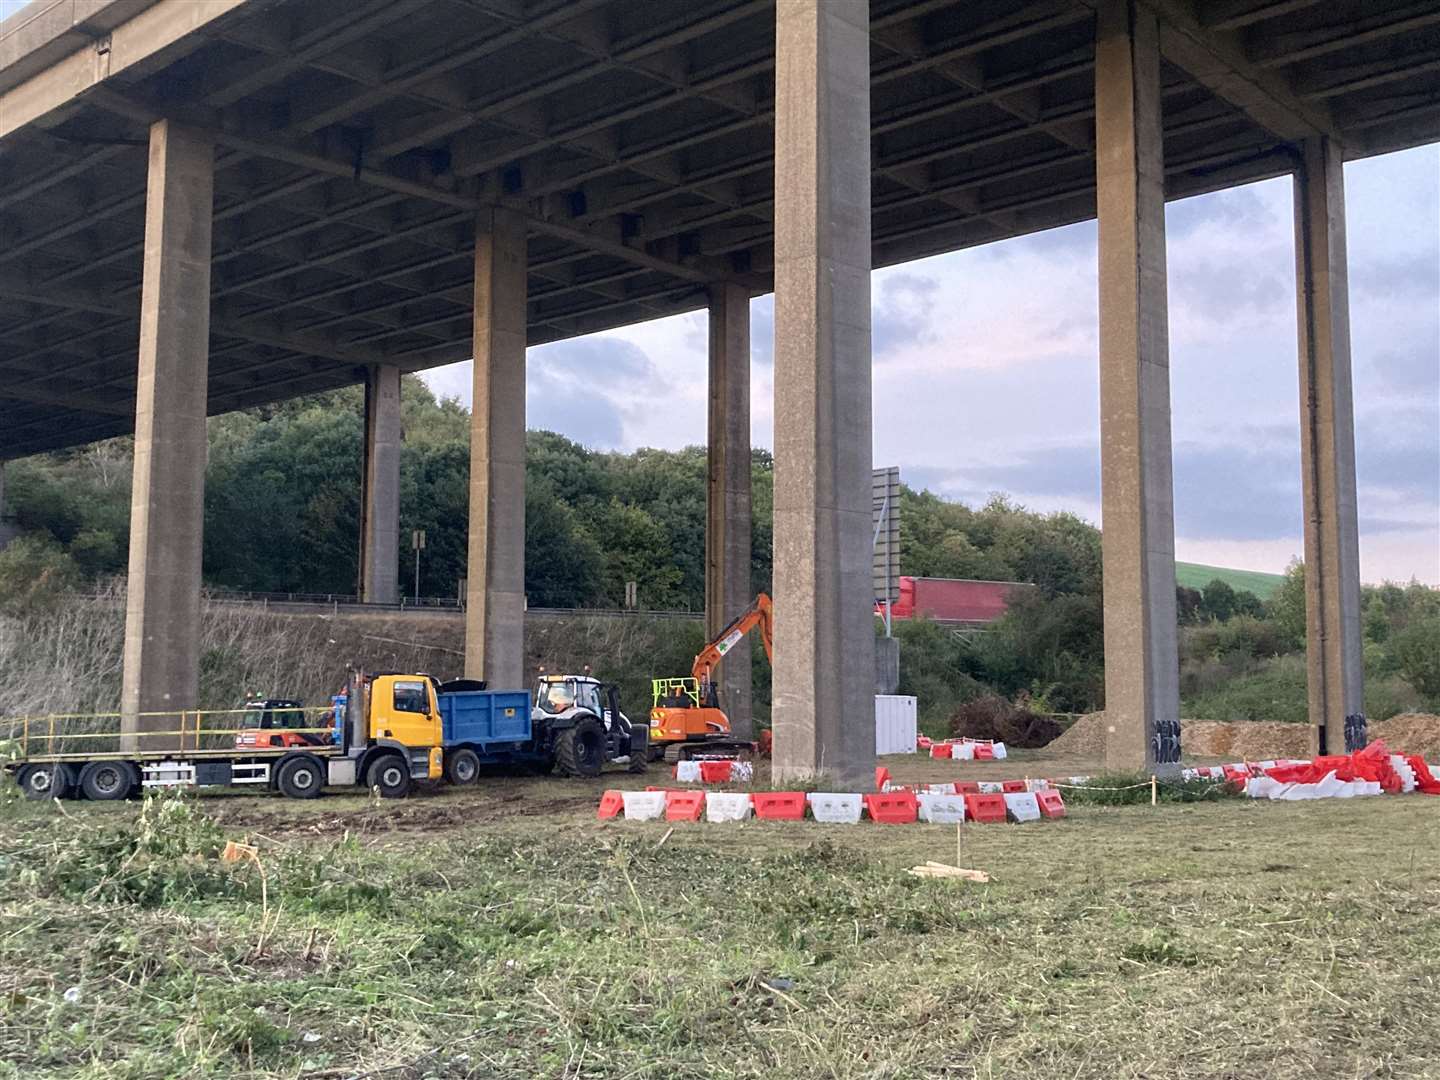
column 501, row 931
column 1196, row 576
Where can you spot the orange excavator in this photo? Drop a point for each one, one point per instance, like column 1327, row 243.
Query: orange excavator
column 686, row 720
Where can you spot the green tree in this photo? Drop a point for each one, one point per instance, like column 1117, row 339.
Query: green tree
column 1417, row 655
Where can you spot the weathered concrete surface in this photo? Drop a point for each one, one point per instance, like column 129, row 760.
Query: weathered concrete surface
column 727, row 495
column 1142, row 696
column 495, row 578
column 167, row 508
column 1327, row 447
column 823, row 704
column 380, row 502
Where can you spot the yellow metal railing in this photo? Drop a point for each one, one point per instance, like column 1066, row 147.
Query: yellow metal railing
column 78, row 735
column 668, row 691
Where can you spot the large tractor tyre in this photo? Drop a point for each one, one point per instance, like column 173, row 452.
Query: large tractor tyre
column 390, row 775
column 462, row 767
column 639, row 760
column 102, row 781
column 47, row 780
column 300, row 778
column 581, row 750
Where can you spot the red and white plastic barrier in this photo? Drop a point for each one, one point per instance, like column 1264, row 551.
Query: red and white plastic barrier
column 720, row 771
column 900, row 806
column 964, row 749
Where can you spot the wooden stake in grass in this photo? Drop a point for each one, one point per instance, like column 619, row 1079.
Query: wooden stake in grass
column 1154, row 792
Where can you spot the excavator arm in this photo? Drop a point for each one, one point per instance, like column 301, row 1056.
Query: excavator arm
column 759, row 614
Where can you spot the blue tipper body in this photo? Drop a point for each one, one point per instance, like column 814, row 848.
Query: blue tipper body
column 493, row 719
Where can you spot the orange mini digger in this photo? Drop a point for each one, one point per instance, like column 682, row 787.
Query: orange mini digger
column 686, row 720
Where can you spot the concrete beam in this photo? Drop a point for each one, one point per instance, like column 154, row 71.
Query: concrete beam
column 1327, row 444
column 1217, row 59
column 823, row 702
column 727, row 495
column 152, row 31
column 1142, row 697
column 495, row 578
column 167, row 507
column 380, row 498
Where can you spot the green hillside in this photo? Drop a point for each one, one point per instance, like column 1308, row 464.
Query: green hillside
column 1196, row 576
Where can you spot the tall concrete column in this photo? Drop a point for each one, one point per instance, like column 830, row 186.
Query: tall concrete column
column 1327, row 447
column 495, row 579
column 167, row 505
column 727, row 495
column 1142, row 697
column 824, row 708
column 380, row 497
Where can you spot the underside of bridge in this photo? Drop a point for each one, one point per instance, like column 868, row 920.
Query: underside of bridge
column 617, row 161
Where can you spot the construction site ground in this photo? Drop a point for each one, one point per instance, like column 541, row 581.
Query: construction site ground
column 502, row 931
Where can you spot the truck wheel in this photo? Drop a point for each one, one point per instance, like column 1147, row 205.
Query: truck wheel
column 391, row 774
column 462, row 767
column 105, row 780
column 639, row 761
column 300, row 778
column 47, row 780
column 581, row 750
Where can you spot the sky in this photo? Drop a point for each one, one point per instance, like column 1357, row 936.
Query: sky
column 986, row 372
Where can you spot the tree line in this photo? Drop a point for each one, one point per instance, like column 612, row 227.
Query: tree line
column 282, row 511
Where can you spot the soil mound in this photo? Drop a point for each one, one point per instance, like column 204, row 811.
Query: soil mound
column 1410, row 733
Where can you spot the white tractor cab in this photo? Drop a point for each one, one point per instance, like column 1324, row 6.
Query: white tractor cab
column 596, row 731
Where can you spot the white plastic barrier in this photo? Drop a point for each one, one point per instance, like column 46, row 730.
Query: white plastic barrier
column 1023, row 805
column 726, row 806
column 1406, row 773
column 1000, row 752
column 687, row 772
column 1037, row 785
column 835, row 808
column 1330, row 787
column 991, row 787
column 895, row 725
column 941, row 809
column 644, row 805
column 742, row 772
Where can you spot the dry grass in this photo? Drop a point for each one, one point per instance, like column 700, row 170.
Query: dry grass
column 492, row 932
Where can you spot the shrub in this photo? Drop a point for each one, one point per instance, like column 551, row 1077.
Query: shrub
column 35, row 575
column 992, row 717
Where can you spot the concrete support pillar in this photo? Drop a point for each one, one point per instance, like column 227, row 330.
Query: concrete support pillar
column 1327, row 446
column 1142, row 697
column 380, row 497
column 495, row 579
column 824, row 711
column 727, row 495
column 167, row 508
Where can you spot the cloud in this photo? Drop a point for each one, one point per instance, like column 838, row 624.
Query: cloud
column 986, row 372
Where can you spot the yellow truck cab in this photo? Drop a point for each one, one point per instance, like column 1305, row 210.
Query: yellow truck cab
column 403, row 711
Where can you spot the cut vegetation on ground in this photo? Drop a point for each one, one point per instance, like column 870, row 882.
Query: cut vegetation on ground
column 500, row 931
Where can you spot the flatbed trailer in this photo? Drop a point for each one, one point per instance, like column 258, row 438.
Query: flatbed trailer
column 391, row 735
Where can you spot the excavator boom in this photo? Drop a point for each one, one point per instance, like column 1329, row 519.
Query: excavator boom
column 759, row 614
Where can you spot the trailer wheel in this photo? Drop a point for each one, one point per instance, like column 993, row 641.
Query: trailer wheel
column 581, row 750
column 46, row 780
column 300, row 778
column 462, row 767
column 391, row 775
column 102, row 781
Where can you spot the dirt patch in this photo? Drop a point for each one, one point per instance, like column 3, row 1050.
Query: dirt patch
column 1412, row 733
